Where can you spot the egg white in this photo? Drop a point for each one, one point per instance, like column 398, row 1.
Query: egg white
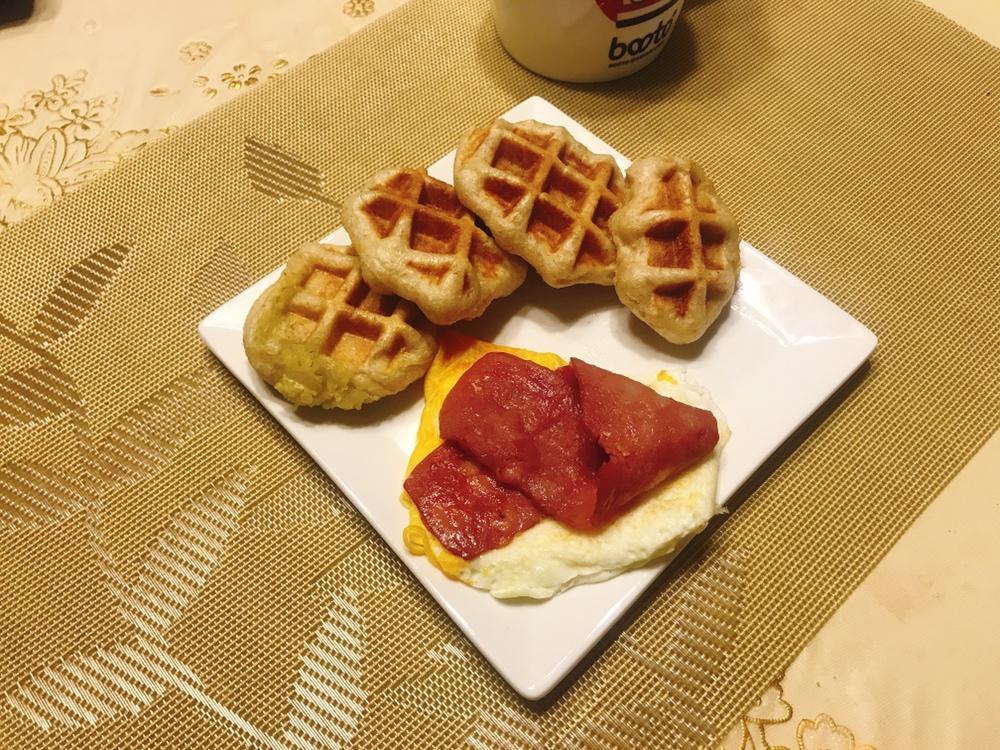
column 549, row 558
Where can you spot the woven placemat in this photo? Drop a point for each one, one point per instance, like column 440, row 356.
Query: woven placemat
column 177, row 573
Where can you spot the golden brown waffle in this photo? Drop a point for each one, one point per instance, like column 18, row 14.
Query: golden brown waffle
column 322, row 337
column 544, row 197
column 678, row 248
column 416, row 240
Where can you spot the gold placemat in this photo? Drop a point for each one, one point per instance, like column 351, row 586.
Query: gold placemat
column 176, row 571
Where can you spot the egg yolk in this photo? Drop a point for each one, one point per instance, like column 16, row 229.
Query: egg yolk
column 456, row 354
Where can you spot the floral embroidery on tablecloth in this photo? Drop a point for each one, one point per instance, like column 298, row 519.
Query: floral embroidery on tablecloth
column 825, row 734
column 193, row 52
column 240, row 76
column 358, row 8
column 56, row 140
column 11, row 121
column 756, row 730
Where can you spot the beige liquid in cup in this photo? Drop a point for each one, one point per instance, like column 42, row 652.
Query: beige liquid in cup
column 585, row 40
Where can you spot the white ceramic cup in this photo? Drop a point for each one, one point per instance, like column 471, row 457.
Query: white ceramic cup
column 585, row 40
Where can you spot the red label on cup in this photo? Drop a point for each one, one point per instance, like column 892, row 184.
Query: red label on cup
column 576, row 40
column 630, row 12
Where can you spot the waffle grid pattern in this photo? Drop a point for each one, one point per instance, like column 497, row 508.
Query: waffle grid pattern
column 571, row 194
column 342, row 317
column 416, row 240
column 678, row 248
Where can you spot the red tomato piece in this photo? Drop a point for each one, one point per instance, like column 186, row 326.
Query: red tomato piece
column 647, row 437
column 522, row 422
column 463, row 506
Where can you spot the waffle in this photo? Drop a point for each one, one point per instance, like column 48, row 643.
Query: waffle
column 544, row 197
column 678, row 248
column 321, row 337
column 416, row 240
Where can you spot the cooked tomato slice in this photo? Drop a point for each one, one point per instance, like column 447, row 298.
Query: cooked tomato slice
column 647, row 437
column 463, row 506
column 522, row 422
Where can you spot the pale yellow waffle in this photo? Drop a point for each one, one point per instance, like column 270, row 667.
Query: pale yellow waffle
column 678, row 248
column 322, row 337
column 416, row 240
column 544, row 196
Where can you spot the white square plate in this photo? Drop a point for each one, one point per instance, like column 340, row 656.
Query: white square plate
column 770, row 362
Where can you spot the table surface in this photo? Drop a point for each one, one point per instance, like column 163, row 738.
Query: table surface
column 857, row 684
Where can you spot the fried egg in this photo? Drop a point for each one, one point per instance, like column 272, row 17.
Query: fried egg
column 549, row 557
